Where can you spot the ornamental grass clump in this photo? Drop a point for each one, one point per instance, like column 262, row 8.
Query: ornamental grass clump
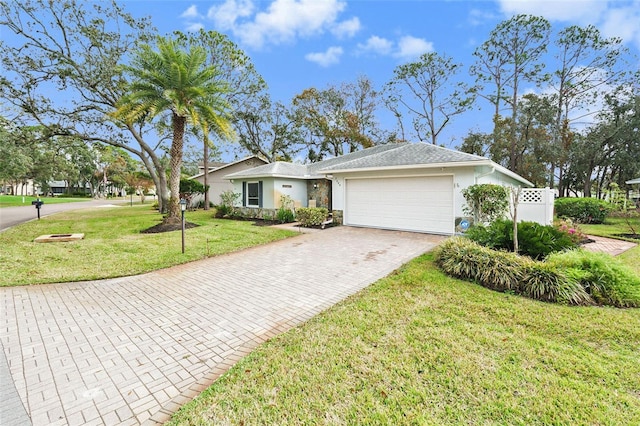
column 500, row 270
column 463, row 258
column 545, row 282
column 602, row 276
column 456, row 256
column 508, row 272
column 285, row 213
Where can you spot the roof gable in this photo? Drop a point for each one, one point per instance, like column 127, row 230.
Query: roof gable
column 250, row 159
column 278, row 168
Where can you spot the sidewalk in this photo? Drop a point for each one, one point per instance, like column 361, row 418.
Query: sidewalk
column 608, row 245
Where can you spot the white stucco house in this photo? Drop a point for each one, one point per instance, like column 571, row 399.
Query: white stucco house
column 217, row 172
column 405, row 186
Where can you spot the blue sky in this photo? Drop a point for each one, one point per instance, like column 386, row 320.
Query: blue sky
column 297, row 44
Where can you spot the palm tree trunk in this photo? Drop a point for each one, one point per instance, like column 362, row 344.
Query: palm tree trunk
column 205, row 162
column 178, row 123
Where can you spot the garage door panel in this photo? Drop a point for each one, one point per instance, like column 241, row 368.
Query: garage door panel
column 422, row 204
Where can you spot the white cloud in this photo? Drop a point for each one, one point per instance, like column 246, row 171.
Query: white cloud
column 410, row 47
column 191, row 12
column 282, row 21
column 582, row 11
column 406, row 48
column 192, row 18
column 478, row 17
column 326, row 59
column 623, row 22
column 617, row 18
column 226, row 15
column 376, row 45
column 346, row 28
column 195, row 27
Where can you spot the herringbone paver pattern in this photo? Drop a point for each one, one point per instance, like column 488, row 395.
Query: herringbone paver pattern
column 132, row 350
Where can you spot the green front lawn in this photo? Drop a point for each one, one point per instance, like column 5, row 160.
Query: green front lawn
column 416, row 347
column 19, row 200
column 613, row 227
column 419, row 347
column 113, row 245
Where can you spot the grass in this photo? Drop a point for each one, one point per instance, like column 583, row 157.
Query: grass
column 419, row 347
column 612, row 227
column 17, row 200
column 113, row 245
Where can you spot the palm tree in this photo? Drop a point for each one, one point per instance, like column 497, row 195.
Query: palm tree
column 177, row 83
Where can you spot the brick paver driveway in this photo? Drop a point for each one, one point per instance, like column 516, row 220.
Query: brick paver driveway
column 132, row 350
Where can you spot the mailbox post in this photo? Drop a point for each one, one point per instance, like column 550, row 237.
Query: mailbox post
column 37, row 203
column 183, row 207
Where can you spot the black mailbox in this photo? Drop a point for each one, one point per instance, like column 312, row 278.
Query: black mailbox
column 38, row 203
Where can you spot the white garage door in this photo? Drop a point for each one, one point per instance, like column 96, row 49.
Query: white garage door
column 423, row 204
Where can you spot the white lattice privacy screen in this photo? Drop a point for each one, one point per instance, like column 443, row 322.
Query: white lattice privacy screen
column 535, row 196
column 536, row 205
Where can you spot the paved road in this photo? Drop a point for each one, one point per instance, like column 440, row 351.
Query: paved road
column 133, row 350
column 12, row 216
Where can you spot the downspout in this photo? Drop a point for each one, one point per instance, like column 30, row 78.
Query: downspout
column 490, row 172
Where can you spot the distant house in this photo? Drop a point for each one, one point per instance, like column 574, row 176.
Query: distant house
column 58, row 187
column 634, row 195
column 216, row 181
column 404, row 186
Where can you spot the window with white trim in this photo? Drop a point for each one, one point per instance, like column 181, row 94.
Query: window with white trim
column 253, row 194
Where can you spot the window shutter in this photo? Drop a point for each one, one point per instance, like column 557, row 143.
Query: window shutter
column 260, row 193
column 244, row 194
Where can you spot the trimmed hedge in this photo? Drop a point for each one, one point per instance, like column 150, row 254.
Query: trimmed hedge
column 582, row 210
column 311, row 216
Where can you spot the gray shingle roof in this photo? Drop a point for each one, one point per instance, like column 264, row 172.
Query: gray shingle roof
column 381, row 156
column 278, row 168
column 354, row 156
column 406, row 154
